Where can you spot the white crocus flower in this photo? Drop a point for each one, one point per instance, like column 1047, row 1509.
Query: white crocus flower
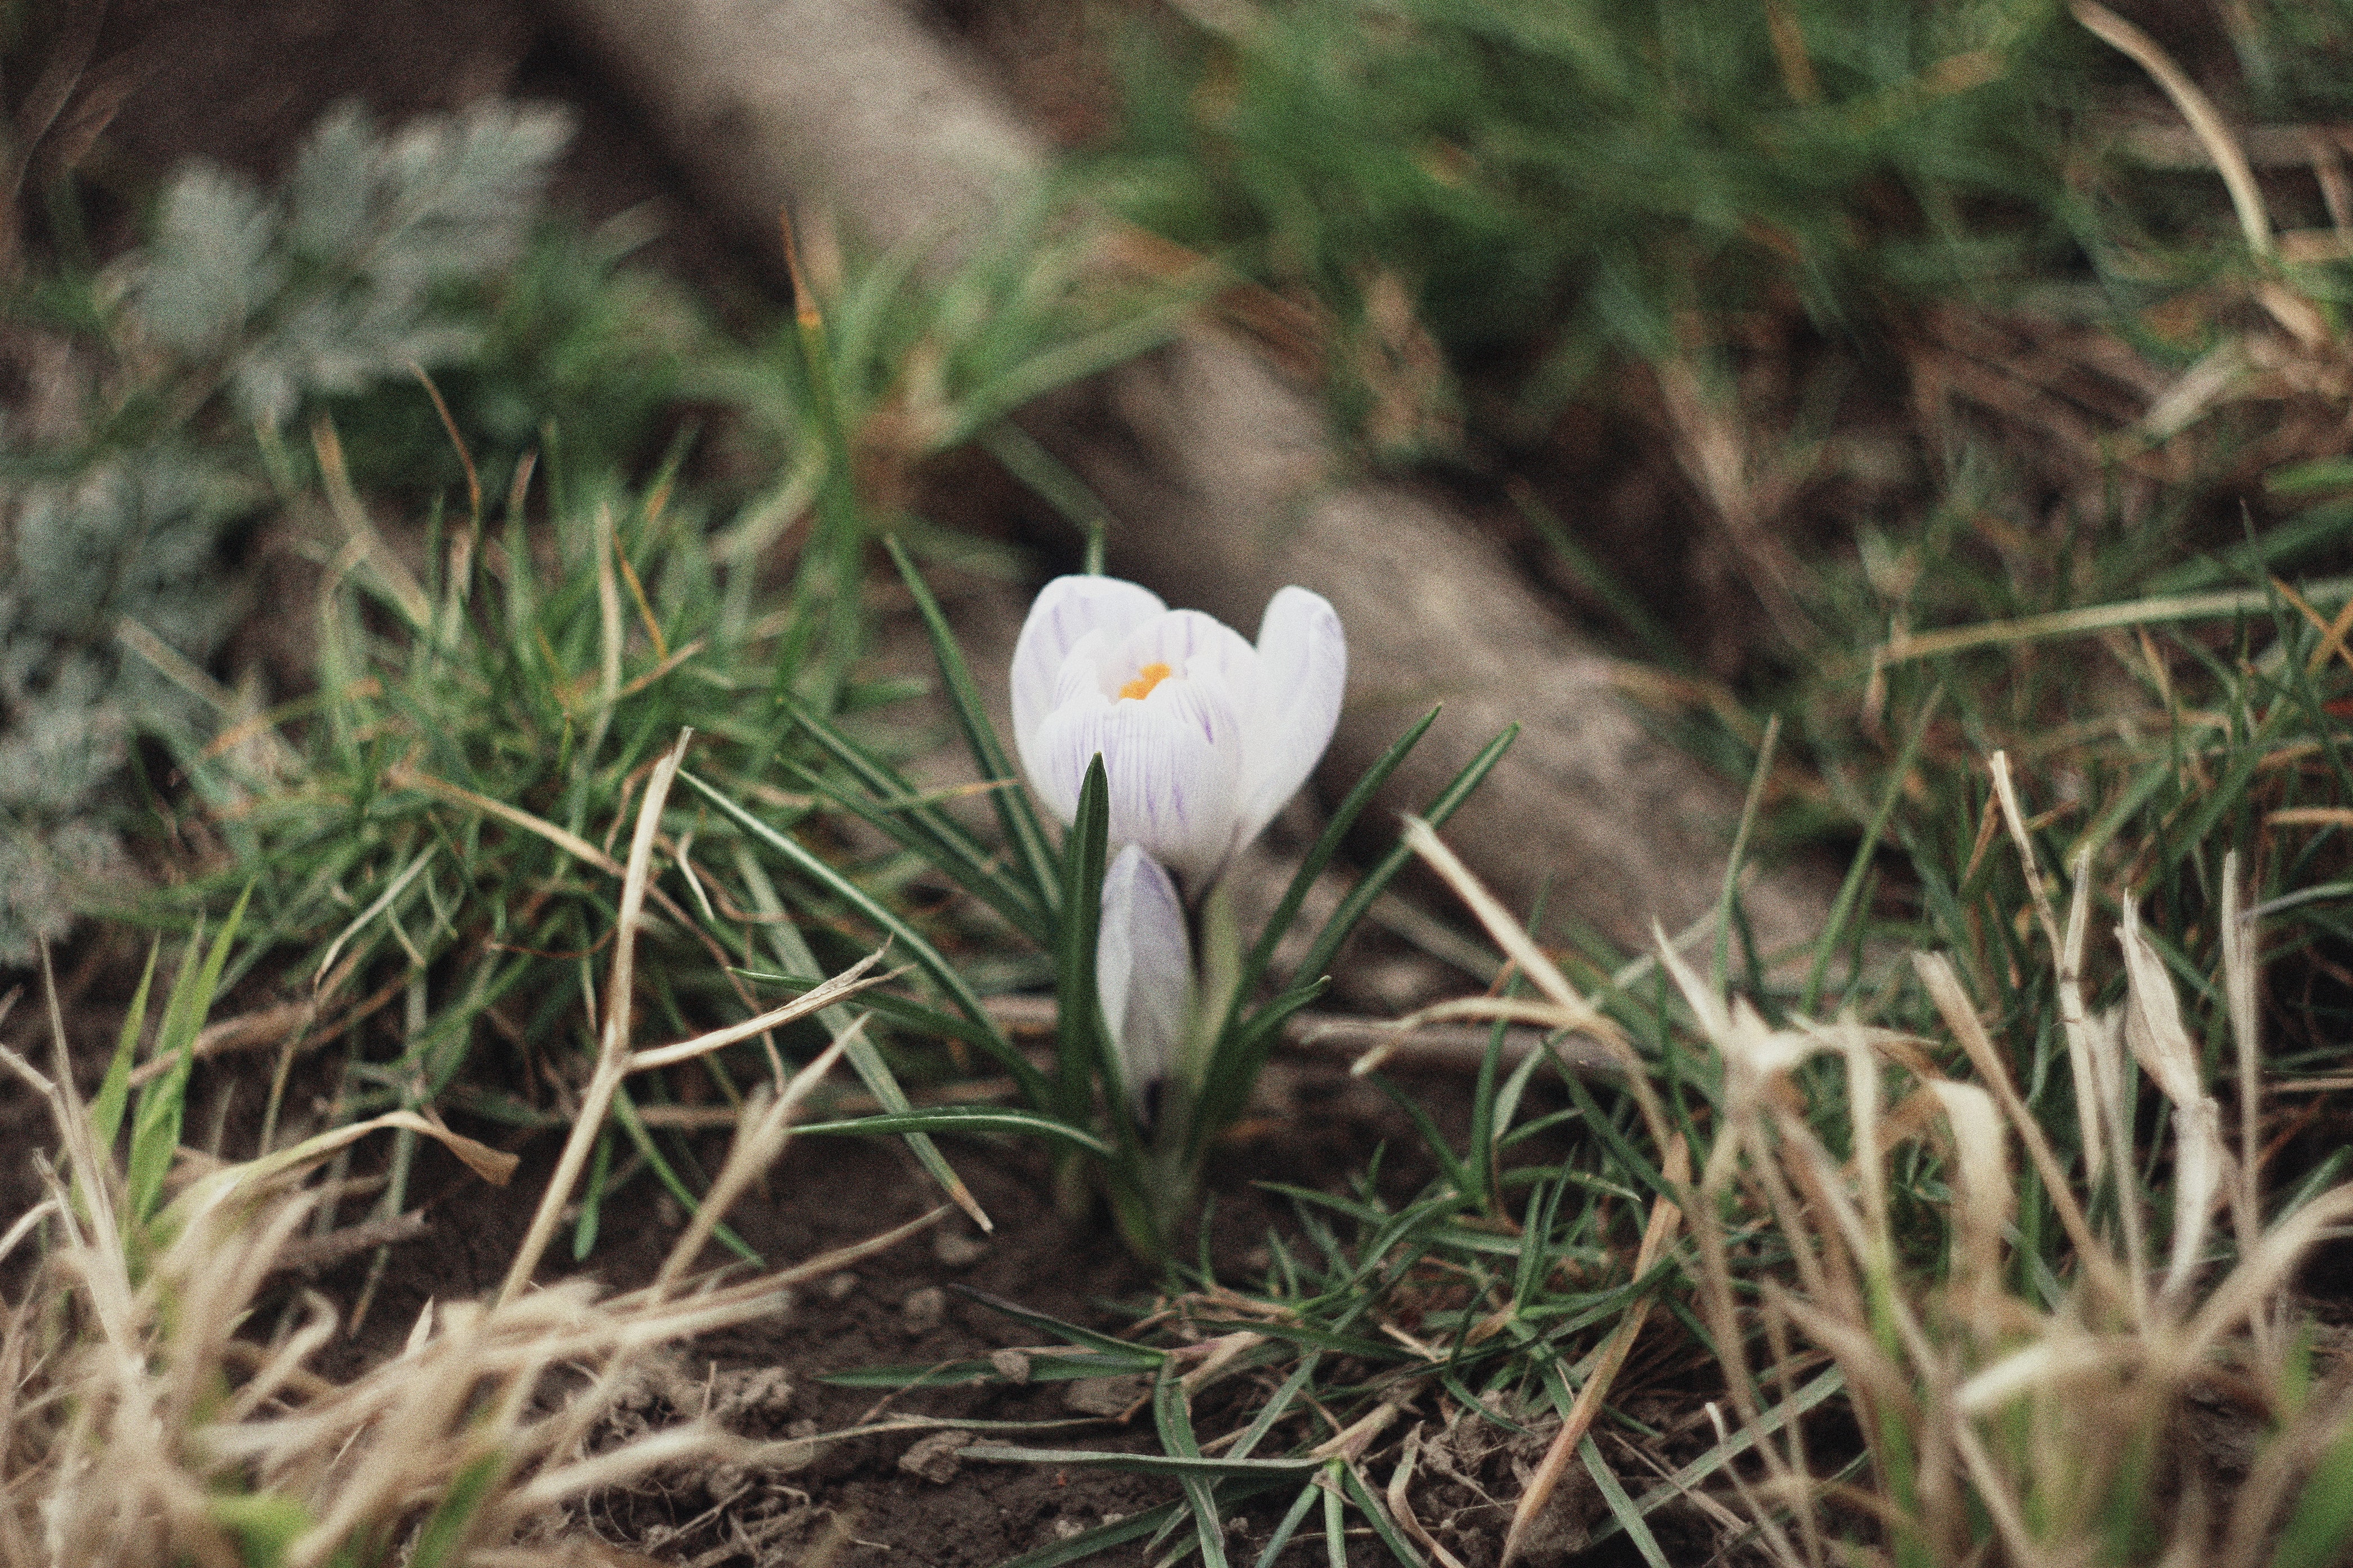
column 1203, row 736
column 1144, row 968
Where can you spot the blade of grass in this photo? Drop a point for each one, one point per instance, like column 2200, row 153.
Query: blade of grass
column 1022, row 829
column 942, row 840
column 1174, row 1424
column 966, row 1118
column 1034, row 1085
column 1328, row 845
column 1842, row 907
column 865, row 1057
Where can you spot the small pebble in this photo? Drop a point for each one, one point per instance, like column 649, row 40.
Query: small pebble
column 1104, row 1395
column 1010, row 1365
column 925, row 1309
column 836, row 1286
column 937, row 1457
column 955, row 1249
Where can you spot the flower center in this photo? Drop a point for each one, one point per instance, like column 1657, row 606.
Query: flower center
column 1150, row 676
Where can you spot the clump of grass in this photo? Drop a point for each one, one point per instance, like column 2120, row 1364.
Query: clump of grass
column 140, row 1423
column 2038, row 1416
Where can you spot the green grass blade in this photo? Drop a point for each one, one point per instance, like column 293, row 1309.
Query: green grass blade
column 156, row 1120
column 1100, row 1538
column 1277, row 1405
column 913, row 1014
column 1062, row 489
column 592, row 1197
column 1621, row 1507
column 266, row 1524
column 625, row 1111
column 445, row 1530
column 920, row 826
column 1141, row 1464
column 1375, row 882
column 1378, row 1516
column 1174, row 1424
column 865, row 1057
column 1326, row 846
column 1043, row 1367
column 1834, row 930
column 2321, row 1524
column 114, row 1094
column 966, row 1118
column 1022, row 829
column 1143, row 1357
column 1335, row 1539
column 1289, row 1526
column 974, row 874
column 1034, row 1086
column 1823, row 1386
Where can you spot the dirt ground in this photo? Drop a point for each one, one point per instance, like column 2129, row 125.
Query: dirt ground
column 867, row 1500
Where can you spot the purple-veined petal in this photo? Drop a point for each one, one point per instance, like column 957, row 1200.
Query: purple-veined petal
column 1173, row 761
column 1188, row 643
column 1302, row 667
column 1066, row 610
column 1144, row 968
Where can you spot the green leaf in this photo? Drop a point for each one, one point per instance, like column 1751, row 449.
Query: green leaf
column 1082, row 1045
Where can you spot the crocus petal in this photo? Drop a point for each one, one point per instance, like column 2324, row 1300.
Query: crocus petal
column 1302, row 666
column 1066, row 610
column 1190, row 643
column 1173, row 761
column 1144, row 969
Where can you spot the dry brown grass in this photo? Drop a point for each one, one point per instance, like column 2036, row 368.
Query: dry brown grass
column 2140, row 1388
column 141, row 1422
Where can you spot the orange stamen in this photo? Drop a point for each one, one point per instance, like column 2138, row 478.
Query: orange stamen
column 1150, row 676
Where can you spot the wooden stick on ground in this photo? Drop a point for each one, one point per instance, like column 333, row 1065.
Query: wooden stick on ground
column 1220, row 473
